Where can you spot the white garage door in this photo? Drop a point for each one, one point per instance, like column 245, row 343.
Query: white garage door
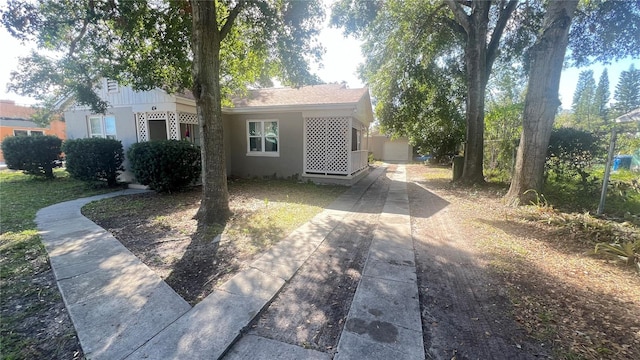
column 396, row 150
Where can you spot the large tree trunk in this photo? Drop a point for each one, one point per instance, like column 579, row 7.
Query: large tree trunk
column 477, row 73
column 206, row 38
column 541, row 101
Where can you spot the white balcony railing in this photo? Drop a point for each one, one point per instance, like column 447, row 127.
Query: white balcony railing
column 359, row 160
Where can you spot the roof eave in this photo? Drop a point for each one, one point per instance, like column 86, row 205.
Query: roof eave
column 287, row 108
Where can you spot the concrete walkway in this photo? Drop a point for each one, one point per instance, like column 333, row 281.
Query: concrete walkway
column 384, row 320
column 122, row 310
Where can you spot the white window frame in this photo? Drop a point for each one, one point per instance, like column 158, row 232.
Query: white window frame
column 29, row 132
column 263, row 137
column 103, row 132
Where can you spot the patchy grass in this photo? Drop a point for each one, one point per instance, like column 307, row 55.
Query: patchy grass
column 582, row 306
column 33, row 323
column 159, row 228
column 570, row 195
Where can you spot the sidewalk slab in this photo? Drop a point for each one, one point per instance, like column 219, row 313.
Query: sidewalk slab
column 115, row 301
column 384, row 320
column 206, row 331
column 252, row 347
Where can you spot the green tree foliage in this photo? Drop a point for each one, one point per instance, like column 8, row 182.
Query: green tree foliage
column 602, row 96
column 571, row 154
column 34, row 155
column 415, row 95
column 214, row 48
column 583, row 105
column 147, row 44
column 603, row 31
column 166, row 165
column 589, row 105
column 415, row 47
column 94, row 159
column 627, row 93
column 503, row 119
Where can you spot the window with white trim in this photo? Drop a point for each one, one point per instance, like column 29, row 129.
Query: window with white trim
column 102, row 126
column 17, row 132
column 263, row 138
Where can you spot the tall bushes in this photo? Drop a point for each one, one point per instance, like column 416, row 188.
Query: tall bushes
column 35, row 155
column 167, row 165
column 571, row 153
column 94, row 159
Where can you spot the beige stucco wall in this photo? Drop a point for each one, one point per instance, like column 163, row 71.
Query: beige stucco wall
column 376, row 144
column 290, row 161
column 77, row 128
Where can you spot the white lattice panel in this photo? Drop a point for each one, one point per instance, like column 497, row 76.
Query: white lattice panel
column 316, row 141
column 338, row 137
column 327, row 145
column 157, row 115
column 141, row 126
column 187, row 118
column 174, row 128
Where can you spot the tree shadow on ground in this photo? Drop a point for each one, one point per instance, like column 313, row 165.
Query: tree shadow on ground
column 311, row 310
column 503, row 304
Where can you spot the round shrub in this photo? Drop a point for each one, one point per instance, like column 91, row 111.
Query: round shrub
column 35, row 155
column 94, row 159
column 166, row 165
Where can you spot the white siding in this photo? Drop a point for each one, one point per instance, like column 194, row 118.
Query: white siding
column 125, row 96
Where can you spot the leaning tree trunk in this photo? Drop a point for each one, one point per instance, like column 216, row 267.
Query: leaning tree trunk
column 206, row 38
column 541, row 102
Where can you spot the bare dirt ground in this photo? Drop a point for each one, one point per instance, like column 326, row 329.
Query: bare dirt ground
column 160, row 229
column 465, row 315
column 482, row 265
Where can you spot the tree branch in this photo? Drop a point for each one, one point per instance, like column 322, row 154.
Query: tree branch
column 503, row 18
column 496, row 35
column 233, row 14
column 74, row 42
column 461, row 17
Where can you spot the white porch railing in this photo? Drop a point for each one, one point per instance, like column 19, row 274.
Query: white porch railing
column 359, row 160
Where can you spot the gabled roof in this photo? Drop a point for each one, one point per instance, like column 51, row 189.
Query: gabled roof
column 307, row 95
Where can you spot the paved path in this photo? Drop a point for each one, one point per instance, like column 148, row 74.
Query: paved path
column 384, row 321
column 122, row 310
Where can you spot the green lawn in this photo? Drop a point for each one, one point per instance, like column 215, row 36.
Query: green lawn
column 26, row 295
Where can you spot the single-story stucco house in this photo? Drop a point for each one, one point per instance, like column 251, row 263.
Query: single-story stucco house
column 312, row 133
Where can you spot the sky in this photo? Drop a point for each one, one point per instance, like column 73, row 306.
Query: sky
column 340, row 63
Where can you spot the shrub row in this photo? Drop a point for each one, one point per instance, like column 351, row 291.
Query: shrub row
column 165, row 166
column 94, row 159
column 34, row 155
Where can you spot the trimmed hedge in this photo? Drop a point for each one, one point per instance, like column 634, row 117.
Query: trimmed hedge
column 94, row 159
column 166, row 165
column 35, row 155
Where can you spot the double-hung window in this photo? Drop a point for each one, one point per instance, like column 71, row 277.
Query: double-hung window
column 263, row 138
column 102, row 126
column 27, row 132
